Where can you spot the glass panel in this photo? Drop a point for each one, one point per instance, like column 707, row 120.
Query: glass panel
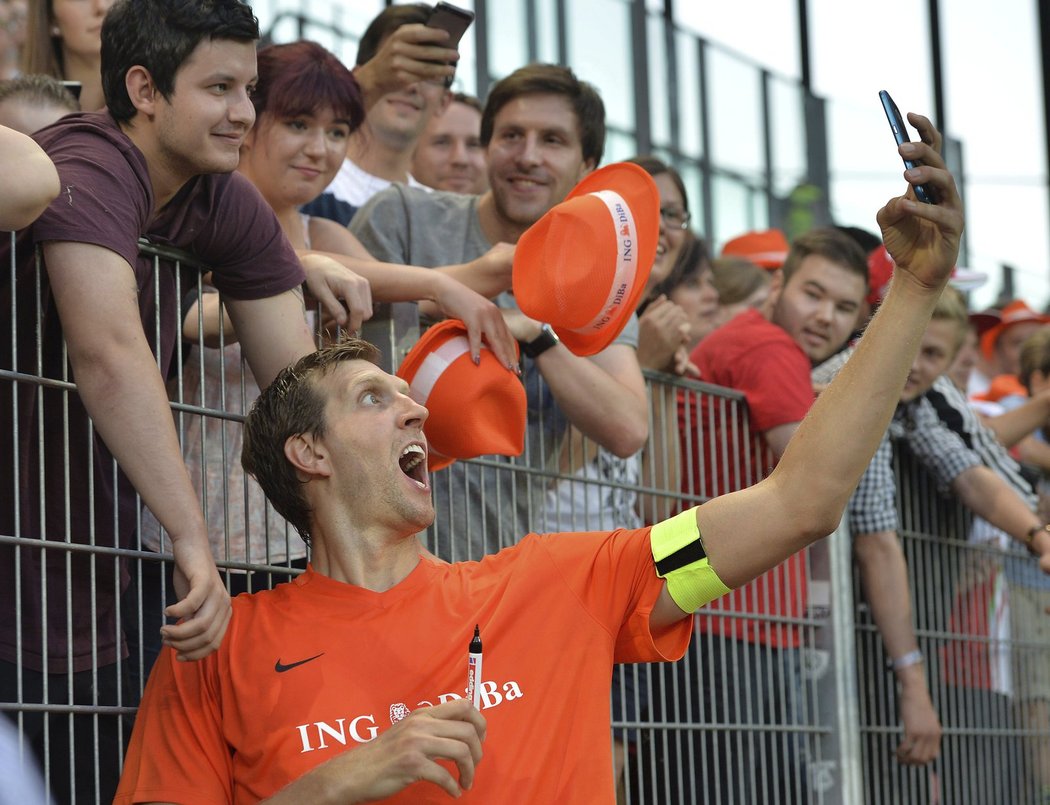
column 1015, row 235
column 659, row 100
column 763, row 31
column 788, row 132
column 601, row 54
column 737, row 207
column 508, row 37
column 860, row 48
column 619, row 145
column 691, row 175
column 736, row 114
column 994, row 104
column 689, row 111
column 547, row 28
column 865, row 170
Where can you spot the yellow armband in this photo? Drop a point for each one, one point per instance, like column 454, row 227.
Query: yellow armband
column 678, row 551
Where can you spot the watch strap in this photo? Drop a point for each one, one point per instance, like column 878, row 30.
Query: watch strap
column 541, row 343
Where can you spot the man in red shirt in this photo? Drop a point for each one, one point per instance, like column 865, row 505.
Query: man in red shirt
column 767, row 354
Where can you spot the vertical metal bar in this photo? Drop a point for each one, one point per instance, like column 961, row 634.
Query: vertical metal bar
column 532, row 47
column 562, row 19
column 640, row 57
column 482, row 75
column 706, row 160
column 765, row 79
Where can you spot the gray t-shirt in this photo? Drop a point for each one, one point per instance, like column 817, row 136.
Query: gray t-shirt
column 493, row 502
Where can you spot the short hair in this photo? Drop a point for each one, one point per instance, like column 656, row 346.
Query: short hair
column 655, row 166
column 385, row 23
column 833, row 245
column 1035, row 356
column 736, row 278
column 866, row 239
column 467, row 100
column 692, row 260
column 301, row 77
column 951, row 307
column 292, row 406
column 551, row 79
column 40, row 90
column 160, row 35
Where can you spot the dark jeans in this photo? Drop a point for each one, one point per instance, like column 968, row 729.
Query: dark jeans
column 66, row 744
column 744, row 698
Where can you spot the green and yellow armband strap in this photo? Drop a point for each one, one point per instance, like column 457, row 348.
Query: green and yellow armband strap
column 678, row 551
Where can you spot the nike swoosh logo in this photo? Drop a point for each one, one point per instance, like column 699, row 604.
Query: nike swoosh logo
column 282, row 668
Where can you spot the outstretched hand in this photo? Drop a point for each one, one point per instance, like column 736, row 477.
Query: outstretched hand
column 923, row 239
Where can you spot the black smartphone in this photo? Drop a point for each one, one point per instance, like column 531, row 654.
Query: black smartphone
column 452, row 19
column 900, row 134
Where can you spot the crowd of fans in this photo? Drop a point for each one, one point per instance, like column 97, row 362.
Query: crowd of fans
column 291, row 175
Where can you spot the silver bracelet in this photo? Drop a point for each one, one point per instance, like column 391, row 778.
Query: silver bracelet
column 906, row 660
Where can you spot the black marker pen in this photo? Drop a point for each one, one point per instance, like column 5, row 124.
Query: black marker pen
column 474, row 669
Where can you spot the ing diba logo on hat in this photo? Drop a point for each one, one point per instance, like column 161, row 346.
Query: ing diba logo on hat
column 583, row 266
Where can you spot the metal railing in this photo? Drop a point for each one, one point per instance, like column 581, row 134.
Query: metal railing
column 783, row 697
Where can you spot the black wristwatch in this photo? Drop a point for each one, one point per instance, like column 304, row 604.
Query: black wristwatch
column 541, row 343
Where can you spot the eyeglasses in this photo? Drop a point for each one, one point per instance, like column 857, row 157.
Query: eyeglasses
column 676, row 217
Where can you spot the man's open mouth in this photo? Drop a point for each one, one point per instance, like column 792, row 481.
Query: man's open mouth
column 413, row 463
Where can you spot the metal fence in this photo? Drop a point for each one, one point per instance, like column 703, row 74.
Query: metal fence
column 782, row 698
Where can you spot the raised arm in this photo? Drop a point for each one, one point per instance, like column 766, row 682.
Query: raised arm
column 412, row 53
column 30, row 180
column 393, row 282
column 748, row 532
column 122, row 389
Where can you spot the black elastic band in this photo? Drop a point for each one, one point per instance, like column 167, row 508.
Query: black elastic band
column 686, row 555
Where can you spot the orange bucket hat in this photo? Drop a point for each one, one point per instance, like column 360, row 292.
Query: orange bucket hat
column 767, row 248
column 1017, row 312
column 583, row 266
column 475, row 410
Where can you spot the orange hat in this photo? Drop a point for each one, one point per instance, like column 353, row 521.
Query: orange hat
column 583, row 266
column 1002, row 386
column 768, row 248
column 1017, row 312
column 475, row 410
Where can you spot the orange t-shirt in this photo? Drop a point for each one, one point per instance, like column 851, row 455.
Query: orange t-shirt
column 316, row 667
